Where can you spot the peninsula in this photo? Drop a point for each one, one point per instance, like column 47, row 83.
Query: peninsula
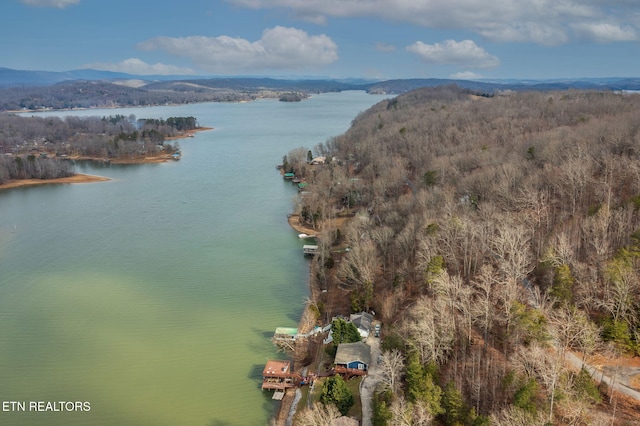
column 38, row 150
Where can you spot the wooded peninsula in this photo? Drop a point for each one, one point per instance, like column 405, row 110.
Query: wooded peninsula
column 497, row 238
column 42, row 147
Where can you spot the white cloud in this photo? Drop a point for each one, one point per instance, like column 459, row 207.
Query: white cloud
column 465, row 75
column 279, row 48
column 60, row 4
column 547, row 22
column 139, row 67
column 604, row 33
column 464, row 53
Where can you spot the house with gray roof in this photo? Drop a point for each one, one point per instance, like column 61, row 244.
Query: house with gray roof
column 362, row 321
column 356, row 356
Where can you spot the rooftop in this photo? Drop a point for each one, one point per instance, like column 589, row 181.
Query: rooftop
column 287, row 330
column 349, row 352
column 276, row 367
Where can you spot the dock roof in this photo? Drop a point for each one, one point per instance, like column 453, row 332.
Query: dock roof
column 286, row 331
column 276, row 367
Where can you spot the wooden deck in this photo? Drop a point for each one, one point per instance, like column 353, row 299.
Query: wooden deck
column 266, row 385
column 348, row 373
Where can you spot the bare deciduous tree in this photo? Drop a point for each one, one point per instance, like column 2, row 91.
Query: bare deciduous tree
column 318, row 415
column 431, row 329
column 392, row 365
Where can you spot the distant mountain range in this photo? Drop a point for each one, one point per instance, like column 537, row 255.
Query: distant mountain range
column 13, row 78
column 27, row 78
column 35, row 90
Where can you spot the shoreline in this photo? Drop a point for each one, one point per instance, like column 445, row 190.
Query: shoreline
column 294, row 223
column 282, row 414
column 77, row 178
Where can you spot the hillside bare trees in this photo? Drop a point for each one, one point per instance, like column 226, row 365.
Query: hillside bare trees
column 490, row 226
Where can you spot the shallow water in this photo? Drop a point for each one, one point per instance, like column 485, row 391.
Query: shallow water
column 153, row 296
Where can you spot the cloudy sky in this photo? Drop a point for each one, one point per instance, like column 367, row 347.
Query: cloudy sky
column 536, row 39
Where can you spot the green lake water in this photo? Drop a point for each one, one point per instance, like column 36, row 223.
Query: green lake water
column 153, row 296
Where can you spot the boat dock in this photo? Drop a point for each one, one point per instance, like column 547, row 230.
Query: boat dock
column 309, row 250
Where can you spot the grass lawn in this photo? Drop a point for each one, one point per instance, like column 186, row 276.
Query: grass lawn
column 353, row 385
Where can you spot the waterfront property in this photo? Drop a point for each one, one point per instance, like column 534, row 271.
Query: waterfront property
column 353, row 359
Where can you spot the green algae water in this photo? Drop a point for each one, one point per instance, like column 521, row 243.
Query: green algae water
column 150, row 299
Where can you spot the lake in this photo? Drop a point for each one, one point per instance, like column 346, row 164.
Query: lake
column 151, row 298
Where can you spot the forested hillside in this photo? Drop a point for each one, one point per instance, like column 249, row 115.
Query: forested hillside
column 492, row 236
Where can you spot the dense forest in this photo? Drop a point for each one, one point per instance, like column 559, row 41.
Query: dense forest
column 497, row 238
column 40, row 147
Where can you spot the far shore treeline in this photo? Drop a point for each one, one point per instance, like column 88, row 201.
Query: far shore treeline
column 40, row 147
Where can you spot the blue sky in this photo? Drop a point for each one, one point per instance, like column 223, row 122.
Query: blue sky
column 382, row 39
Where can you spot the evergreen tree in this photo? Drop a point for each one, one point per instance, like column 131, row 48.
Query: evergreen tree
column 454, row 406
column 562, row 288
column 422, row 387
column 344, row 332
column 335, row 391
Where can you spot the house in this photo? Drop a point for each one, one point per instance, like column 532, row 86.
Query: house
column 353, row 356
column 362, row 321
column 318, row 160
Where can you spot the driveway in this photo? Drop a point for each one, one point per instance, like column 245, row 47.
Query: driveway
column 368, row 385
column 621, row 384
